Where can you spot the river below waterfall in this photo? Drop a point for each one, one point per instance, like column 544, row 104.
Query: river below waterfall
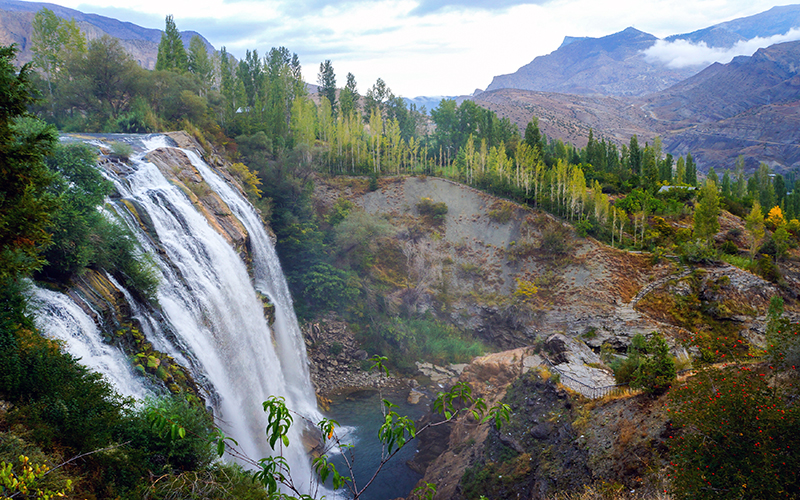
column 360, row 412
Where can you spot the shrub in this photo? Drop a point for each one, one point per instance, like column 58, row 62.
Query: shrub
column 431, row 210
column 649, row 365
column 735, row 434
column 121, row 150
column 698, row 252
column 729, row 248
column 163, row 454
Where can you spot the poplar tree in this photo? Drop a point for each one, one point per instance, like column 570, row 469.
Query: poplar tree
column 691, row 170
column 198, row 62
column 171, row 52
column 754, row 223
column 326, row 79
column 706, row 214
column 53, row 42
column 348, row 99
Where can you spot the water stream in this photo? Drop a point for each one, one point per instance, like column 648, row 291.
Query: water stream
column 215, row 319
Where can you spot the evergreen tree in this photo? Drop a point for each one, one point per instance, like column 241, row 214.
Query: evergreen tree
column 680, row 171
column 25, row 203
column 764, row 186
column 665, row 169
column 635, row 156
column 779, row 187
column 533, row 137
column 171, row 52
column 326, row 79
column 727, row 187
column 649, row 177
column 712, row 175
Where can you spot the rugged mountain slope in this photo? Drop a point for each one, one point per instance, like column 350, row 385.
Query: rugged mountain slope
column 616, row 65
column 142, row 43
column 776, row 21
column 611, row 65
column 569, row 117
column 750, row 106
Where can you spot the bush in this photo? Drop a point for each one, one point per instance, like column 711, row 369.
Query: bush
column 735, row 434
column 163, row 454
column 409, row 340
column 435, row 212
column 58, row 400
column 649, row 365
column 698, row 252
column 121, row 150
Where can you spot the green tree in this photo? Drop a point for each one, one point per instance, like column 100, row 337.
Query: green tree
column 26, row 206
column 104, row 83
column 635, row 156
column 376, row 98
column 691, row 170
column 326, row 79
column 198, row 62
column 53, row 41
column 533, row 137
column 706, row 213
column 656, row 372
column 348, row 98
column 680, row 171
column 171, row 52
column 754, row 223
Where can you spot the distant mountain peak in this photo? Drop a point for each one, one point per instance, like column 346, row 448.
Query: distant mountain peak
column 571, row 39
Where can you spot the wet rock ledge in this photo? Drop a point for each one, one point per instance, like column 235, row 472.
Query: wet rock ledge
column 338, row 364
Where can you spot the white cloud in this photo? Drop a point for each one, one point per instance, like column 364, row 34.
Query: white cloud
column 682, row 53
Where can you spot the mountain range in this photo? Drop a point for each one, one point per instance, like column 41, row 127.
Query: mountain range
column 618, row 85
column 142, row 43
column 626, row 64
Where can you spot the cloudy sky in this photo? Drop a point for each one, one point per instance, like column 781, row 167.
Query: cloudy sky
column 428, row 47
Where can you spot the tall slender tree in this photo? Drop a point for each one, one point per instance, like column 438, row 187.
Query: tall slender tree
column 326, row 79
column 706, row 213
column 171, row 52
column 199, row 63
column 348, row 99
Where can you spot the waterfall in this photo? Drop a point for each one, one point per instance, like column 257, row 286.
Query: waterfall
column 58, row 317
column 216, row 320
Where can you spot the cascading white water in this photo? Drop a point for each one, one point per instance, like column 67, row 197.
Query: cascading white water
column 216, row 318
column 58, row 317
column 270, row 281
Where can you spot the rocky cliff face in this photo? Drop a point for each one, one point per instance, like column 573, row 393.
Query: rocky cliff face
column 466, row 270
column 611, row 65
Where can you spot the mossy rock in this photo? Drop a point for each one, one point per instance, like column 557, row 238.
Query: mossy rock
column 153, row 362
column 138, row 368
column 163, row 373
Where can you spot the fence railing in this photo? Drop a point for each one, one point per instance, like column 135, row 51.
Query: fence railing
column 590, row 391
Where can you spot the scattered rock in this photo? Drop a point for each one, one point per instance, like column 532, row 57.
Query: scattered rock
column 414, row 397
